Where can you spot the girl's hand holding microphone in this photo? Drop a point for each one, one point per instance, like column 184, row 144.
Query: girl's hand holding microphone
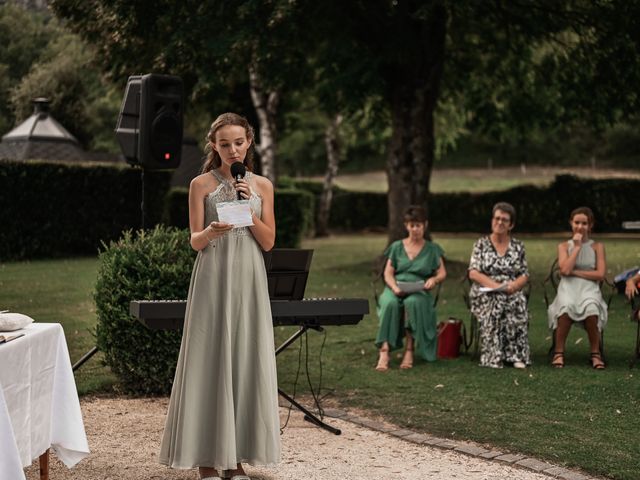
column 242, row 187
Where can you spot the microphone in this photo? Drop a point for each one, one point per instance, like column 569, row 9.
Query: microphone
column 237, row 172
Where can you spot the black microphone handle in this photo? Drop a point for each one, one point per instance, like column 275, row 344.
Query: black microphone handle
column 238, row 177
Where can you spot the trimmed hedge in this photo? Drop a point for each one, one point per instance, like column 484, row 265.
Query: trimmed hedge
column 52, row 209
column 539, row 209
column 150, row 265
column 293, row 211
column 613, row 201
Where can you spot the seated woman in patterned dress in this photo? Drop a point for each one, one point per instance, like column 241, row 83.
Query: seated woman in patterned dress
column 498, row 271
column 410, row 314
column 582, row 266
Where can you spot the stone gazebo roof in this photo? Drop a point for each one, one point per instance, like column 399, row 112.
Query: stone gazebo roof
column 40, row 137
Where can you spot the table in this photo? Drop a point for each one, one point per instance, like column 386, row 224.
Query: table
column 39, row 407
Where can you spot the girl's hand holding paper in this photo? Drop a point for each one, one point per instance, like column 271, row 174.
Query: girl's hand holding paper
column 219, row 228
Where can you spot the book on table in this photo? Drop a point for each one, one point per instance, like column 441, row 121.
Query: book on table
column 7, row 337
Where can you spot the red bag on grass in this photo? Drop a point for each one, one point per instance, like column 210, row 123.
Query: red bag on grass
column 450, row 338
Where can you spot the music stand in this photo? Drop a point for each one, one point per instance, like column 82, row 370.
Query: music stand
column 287, row 274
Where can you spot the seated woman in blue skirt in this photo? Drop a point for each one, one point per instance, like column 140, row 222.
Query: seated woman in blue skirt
column 405, row 314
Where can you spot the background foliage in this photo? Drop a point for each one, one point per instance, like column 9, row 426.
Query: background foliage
column 50, row 209
column 149, row 265
column 523, row 100
column 89, row 204
column 40, row 58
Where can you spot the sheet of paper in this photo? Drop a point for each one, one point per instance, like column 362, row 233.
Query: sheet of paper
column 236, row 213
column 501, row 288
column 410, row 287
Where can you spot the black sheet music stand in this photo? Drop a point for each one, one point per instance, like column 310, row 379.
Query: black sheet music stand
column 287, row 273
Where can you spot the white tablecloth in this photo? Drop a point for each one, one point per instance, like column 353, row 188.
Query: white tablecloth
column 39, row 405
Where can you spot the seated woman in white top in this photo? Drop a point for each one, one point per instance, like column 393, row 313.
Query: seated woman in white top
column 582, row 267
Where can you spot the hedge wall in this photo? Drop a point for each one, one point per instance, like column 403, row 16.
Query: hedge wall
column 539, row 209
column 52, row 209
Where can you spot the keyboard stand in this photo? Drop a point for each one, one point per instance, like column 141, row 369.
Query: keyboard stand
column 308, row 416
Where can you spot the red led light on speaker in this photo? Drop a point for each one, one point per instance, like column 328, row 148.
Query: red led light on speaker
column 167, row 156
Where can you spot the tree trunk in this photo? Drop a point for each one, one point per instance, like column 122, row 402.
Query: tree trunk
column 414, row 96
column 266, row 105
column 333, row 158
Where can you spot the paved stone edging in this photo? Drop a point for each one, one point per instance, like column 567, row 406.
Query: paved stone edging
column 466, row 448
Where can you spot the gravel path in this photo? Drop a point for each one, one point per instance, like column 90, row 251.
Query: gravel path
column 124, row 436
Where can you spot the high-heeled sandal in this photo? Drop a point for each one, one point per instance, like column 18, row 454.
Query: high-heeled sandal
column 558, row 360
column 594, row 365
column 383, row 365
column 407, row 364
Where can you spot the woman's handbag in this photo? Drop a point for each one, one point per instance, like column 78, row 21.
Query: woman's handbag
column 451, row 335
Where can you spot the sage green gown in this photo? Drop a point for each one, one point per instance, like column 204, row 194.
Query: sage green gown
column 414, row 312
column 224, row 401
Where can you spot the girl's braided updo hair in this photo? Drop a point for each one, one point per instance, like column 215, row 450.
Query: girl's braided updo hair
column 213, row 159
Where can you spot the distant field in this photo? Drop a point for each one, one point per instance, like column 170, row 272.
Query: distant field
column 479, row 179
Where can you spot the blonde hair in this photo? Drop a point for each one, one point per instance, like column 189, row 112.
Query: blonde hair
column 213, row 159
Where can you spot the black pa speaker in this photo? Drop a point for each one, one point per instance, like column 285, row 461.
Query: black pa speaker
column 149, row 128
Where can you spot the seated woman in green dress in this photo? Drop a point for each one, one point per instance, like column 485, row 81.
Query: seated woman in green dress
column 406, row 310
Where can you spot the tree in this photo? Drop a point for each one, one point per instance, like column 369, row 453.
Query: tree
column 24, row 37
column 81, row 99
column 332, row 145
column 512, row 65
column 213, row 46
column 40, row 58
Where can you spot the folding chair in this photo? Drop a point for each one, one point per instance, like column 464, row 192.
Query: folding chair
column 635, row 317
column 474, row 329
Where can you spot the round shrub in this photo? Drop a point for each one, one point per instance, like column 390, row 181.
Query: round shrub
column 151, row 265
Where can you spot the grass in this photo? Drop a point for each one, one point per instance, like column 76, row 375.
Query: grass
column 575, row 417
column 59, row 291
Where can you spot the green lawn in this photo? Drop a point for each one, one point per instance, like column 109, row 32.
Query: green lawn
column 59, row 291
column 577, row 417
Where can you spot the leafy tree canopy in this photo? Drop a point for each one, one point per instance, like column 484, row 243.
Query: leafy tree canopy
column 505, row 67
column 42, row 59
column 23, row 36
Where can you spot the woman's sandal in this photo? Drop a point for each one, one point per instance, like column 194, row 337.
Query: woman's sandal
column 558, row 360
column 407, row 364
column 383, row 365
column 594, row 363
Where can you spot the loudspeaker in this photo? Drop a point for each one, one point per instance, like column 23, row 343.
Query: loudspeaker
column 149, row 127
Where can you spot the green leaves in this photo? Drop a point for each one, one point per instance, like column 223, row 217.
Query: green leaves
column 147, row 265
